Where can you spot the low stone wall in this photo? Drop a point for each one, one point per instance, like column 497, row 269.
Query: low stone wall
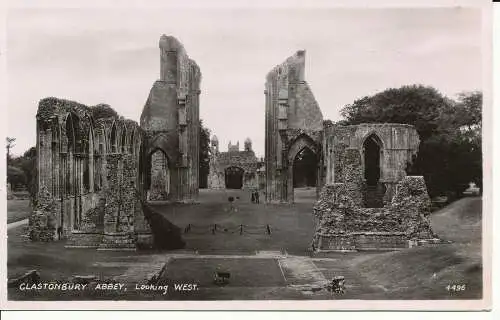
column 344, row 225
column 81, row 239
column 363, row 241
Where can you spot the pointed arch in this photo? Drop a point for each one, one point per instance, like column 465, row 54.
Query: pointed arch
column 158, row 175
column 373, row 135
column 303, row 144
column 112, row 138
column 372, row 159
column 123, row 140
column 299, row 143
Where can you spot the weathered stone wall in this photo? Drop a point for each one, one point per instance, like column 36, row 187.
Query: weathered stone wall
column 245, row 160
column 170, row 118
column 88, row 160
column 342, row 224
column 399, row 143
column 293, row 118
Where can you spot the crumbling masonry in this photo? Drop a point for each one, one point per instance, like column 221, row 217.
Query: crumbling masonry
column 366, row 200
column 234, row 169
column 94, row 166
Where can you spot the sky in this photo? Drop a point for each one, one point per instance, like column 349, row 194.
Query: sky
column 111, row 56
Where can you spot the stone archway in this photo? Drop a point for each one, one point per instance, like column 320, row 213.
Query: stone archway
column 303, row 154
column 372, row 153
column 304, row 169
column 158, row 176
column 233, row 177
column 372, row 172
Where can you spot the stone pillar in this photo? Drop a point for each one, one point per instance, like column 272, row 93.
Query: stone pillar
column 120, row 204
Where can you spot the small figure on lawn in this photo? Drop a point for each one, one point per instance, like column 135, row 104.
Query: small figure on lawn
column 256, row 196
column 253, row 197
column 231, row 205
column 221, row 277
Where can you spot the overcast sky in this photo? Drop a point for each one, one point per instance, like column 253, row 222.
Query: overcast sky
column 111, row 56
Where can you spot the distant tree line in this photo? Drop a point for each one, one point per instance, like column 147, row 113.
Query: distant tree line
column 21, row 170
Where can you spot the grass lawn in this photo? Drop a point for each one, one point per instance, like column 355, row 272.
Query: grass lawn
column 244, row 272
column 291, row 226
column 18, row 210
column 425, row 272
column 417, row 273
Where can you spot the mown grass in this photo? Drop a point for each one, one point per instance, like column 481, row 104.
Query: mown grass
column 17, row 210
column 417, row 273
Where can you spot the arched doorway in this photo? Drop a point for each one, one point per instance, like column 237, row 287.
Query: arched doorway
column 305, row 174
column 372, row 149
column 374, row 190
column 304, row 169
column 158, row 176
column 234, row 177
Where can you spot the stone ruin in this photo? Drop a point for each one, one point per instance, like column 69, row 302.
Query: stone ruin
column 170, row 121
column 368, row 202
column 366, row 199
column 234, row 169
column 95, row 167
column 293, row 122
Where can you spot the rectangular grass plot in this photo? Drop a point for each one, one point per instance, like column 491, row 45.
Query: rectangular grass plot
column 245, row 272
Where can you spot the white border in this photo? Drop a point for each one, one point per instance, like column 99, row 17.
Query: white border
column 279, row 305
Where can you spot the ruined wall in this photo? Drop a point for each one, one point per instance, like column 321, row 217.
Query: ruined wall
column 170, row 118
column 292, row 113
column 342, row 224
column 344, row 221
column 399, row 145
column 245, row 160
column 84, row 154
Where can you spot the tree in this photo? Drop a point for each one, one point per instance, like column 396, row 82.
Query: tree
column 204, row 155
column 417, row 105
column 15, row 176
column 449, row 155
column 27, row 164
column 10, row 145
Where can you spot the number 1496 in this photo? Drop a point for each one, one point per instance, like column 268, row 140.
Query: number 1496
column 456, row 287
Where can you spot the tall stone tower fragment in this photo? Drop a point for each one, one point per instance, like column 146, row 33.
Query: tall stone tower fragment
column 293, row 122
column 170, row 119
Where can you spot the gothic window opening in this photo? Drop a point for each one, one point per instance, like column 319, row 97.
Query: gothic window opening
column 158, row 176
column 124, row 143
column 86, row 174
column 234, row 178
column 374, row 190
column 372, row 153
column 113, row 139
column 304, row 169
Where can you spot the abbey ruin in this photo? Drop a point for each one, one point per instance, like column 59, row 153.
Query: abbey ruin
column 366, row 201
column 94, row 166
column 234, row 169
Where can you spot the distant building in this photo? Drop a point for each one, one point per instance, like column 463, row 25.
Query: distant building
column 234, row 169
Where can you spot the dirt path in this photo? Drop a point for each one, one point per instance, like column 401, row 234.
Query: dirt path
column 17, row 224
column 460, row 222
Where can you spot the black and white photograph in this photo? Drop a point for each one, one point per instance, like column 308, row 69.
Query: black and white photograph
column 316, row 157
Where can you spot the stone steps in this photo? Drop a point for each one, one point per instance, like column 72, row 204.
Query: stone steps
column 301, row 271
